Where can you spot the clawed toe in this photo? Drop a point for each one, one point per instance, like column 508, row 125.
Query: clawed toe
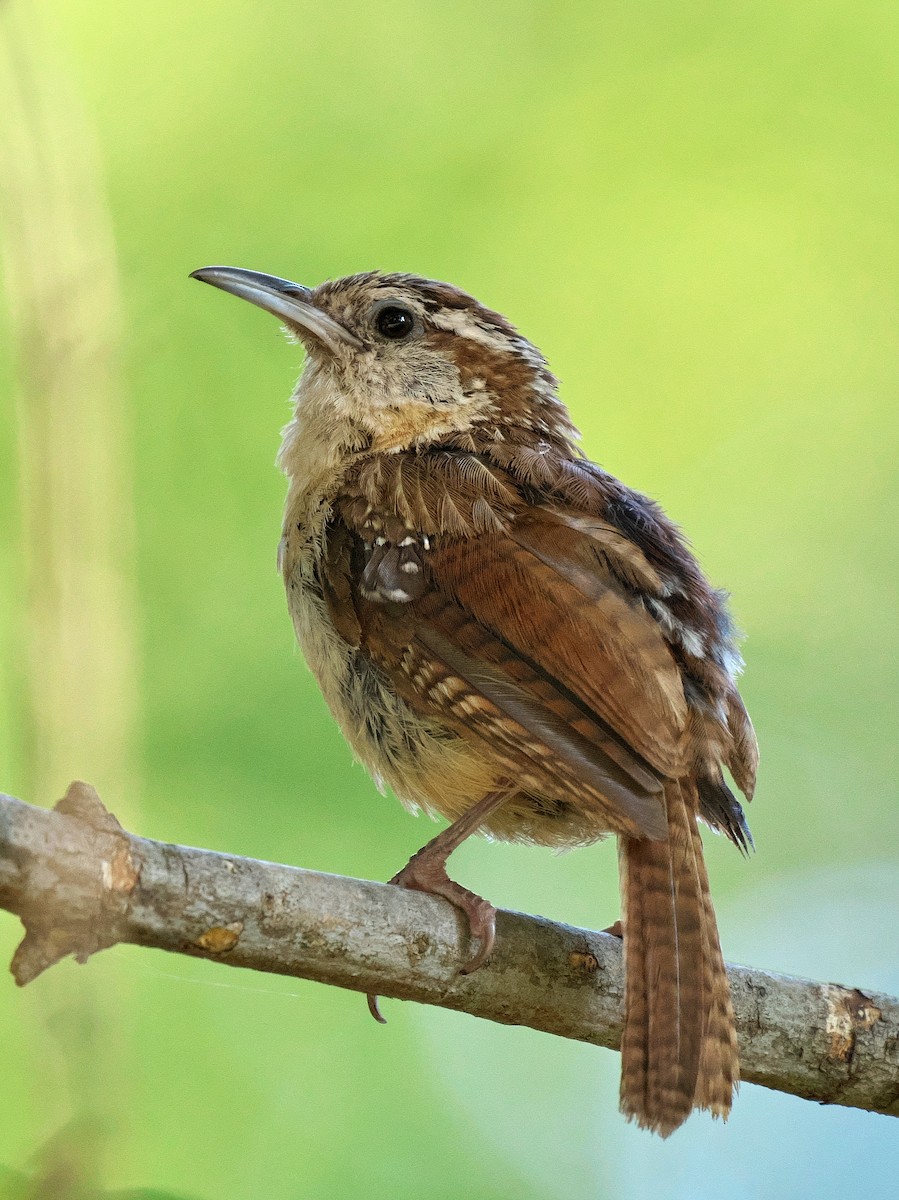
column 482, row 923
column 423, row 876
column 374, row 1008
column 426, row 872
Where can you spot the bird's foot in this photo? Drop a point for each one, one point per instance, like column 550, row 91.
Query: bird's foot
column 427, row 873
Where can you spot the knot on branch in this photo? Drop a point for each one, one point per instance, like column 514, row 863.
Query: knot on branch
column 77, row 902
column 849, row 1013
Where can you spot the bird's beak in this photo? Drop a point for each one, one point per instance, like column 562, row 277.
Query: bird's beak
column 291, row 302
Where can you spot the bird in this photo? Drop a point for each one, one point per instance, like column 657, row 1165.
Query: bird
column 512, row 639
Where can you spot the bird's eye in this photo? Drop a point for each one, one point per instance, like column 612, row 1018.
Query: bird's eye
column 395, row 323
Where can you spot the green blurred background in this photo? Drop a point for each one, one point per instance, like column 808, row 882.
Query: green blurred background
column 692, row 208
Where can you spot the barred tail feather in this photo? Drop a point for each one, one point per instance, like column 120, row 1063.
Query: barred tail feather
column 679, row 1049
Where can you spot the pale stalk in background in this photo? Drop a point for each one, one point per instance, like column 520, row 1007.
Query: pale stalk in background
column 74, row 650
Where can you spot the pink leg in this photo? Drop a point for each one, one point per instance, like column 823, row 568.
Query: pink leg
column 426, row 872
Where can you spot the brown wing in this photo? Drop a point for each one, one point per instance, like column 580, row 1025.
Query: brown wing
column 517, row 634
column 543, row 588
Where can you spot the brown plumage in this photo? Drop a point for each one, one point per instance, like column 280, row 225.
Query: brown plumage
column 511, row 638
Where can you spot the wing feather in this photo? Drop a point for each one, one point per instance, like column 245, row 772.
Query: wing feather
column 524, row 630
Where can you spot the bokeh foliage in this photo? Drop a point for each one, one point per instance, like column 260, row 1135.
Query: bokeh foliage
column 692, row 209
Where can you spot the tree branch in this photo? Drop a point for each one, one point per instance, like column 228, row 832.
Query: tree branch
column 80, row 883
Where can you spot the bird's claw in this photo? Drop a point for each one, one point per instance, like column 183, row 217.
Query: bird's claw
column 423, row 876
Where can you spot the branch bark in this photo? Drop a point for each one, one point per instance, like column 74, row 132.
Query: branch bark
column 80, row 883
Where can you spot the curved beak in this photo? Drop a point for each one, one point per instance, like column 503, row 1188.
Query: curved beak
column 290, row 302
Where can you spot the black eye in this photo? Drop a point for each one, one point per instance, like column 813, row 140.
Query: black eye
column 395, row 323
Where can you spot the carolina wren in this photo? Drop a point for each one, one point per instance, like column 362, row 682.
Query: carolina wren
column 512, row 639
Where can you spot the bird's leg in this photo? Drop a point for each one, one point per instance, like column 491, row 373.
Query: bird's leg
column 426, row 872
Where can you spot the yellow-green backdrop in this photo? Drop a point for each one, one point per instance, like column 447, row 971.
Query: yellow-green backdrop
column 692, row 208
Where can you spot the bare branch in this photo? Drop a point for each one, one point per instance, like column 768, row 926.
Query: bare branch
column 80, row 883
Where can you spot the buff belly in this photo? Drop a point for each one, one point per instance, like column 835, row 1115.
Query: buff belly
column 425, row 764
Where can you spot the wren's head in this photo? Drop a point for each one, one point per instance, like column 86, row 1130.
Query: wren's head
column 396, row 361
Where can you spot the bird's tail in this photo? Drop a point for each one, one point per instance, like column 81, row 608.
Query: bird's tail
column 679, row 1048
